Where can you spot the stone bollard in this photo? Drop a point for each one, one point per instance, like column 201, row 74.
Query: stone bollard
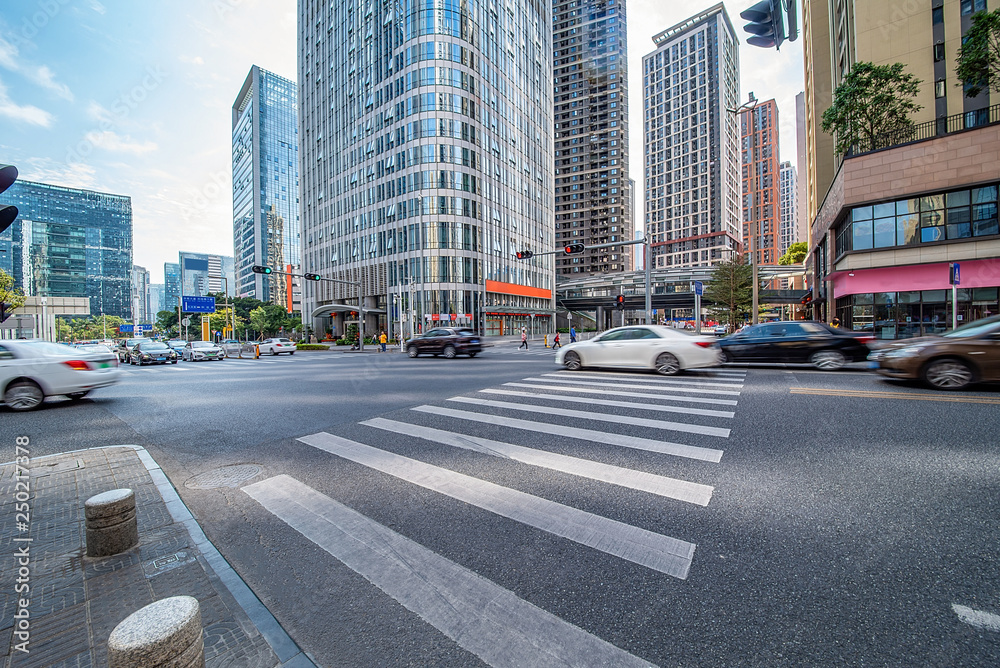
column 111, row 523
column 164, row 633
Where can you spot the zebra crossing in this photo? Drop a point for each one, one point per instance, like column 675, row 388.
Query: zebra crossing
column 480, row 616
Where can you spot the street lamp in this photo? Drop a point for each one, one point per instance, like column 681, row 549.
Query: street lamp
column 754, row 230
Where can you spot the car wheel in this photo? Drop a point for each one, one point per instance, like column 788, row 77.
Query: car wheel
column 412, row 351
column 948, row 374
column 76, row 396
column 173, row 361
column 291, row 353
column 449, row 352
column 828, row 360
column 572, row 361
column 472, row 354
column 667, row 365
column 727, row 357
column 23, row 395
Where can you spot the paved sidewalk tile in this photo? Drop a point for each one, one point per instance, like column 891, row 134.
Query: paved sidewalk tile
column 75, row 601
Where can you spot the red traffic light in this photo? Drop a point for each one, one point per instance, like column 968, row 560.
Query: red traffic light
column 525, row 255
column 571, row 249
column 620, row 301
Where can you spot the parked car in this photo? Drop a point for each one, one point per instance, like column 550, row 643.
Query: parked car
column 956, row 359
column 148, row 351
column 721, row 330
column 125, row 347
column 197, row 351
column 798, row 341
column 31, row 370
column 447, row 341
column 277, row 346
column 666, row 350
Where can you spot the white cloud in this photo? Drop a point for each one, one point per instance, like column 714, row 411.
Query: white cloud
column 98, row 7
column 110, row 141
column 192, row 60
column 23, row 113
column 39, row 74
column 71, row 175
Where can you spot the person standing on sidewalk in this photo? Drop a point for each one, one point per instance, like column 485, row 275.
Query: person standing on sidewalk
column 383, row 339
column 524, row 339
column 572, row 334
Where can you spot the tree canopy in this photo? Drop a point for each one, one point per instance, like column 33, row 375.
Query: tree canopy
column 730, row 290
column 11, row 296
column 978, row 65
column 795, row 254
column 871, row 108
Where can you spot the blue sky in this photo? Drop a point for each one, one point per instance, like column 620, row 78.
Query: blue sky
column 135, row 98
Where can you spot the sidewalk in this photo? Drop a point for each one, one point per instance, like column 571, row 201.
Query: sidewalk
column 75, row 601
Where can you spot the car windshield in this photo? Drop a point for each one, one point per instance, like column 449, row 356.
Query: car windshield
column 50, row 349
column 133, row 342
column 95, row 348
column 202, row 344
column 153, row 345
column 974, row 329
column 283, row 340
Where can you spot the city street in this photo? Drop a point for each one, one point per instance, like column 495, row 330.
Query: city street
column 502, row 511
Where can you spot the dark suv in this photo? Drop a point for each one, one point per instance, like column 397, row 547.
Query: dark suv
column 447, row 341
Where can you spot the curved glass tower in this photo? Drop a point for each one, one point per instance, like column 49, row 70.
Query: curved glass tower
column 426, row 161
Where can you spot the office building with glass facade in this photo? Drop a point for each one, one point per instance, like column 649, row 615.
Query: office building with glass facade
column 157, row 299
column 202, row 274
column 427, row 161
column 593, row 190
column 171, row 285
column 266, row 229
column 70, row 243
column 141, row 308
column 691, row 142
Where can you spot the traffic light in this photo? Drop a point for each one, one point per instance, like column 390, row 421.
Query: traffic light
column 525, row 255
column 8, row 174
column 620, row 301
column 257, row 269
column 572, row 249
column 311, row 277
column 767, row 23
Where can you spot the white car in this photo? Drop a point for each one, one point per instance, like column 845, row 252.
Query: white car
column 665, row 349
column 277, row 346
column 32, row 370
column 197, row 351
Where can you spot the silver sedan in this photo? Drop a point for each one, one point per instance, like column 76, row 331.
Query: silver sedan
column 33, row 370
column 198, row 351
column 666, row 350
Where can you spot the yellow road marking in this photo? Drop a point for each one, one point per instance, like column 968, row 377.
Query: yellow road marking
column 892, row 395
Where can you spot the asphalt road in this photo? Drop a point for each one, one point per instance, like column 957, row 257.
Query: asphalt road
column 764, row 516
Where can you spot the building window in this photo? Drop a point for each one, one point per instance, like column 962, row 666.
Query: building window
column 938, row 52
column 939, row 89
column 937, row 15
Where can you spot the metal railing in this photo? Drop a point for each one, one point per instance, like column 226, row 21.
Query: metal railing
column 939, row 127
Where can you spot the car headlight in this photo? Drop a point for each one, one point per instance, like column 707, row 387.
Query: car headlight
column 907, row 351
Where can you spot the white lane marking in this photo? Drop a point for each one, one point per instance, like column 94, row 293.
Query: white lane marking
column 634, row 442
column 660, row 553
column 481, row 617
column 977, row 618
column 684, row 427
column 619, row 393
column 662, row 382
column 705, row 374
column 630, row 386
column 684, row 410
column 672, row 488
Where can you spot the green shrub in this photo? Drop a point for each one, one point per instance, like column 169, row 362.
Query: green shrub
column 312, row 346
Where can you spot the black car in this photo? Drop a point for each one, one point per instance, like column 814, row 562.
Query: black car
column 802, row 341
column 447, row 341
column 125, row 346
column 152, row 352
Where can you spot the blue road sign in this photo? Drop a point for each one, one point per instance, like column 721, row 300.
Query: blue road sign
column 198, row 304
column 955, row 277
column 125, row 329
column 145, row 328
column 699, row 288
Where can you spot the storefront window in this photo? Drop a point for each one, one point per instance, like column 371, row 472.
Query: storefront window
column 903, row 315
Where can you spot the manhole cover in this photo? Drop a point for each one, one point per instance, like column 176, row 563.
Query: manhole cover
column 227, row 476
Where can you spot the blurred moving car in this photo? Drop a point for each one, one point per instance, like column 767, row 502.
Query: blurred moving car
column 664, row 349
column 447, row 341
column 799, row 341
column 277, row 346
column 125, row 347
column 152, row 352
column 198, row 351
column 956, row 359
column 31, row 370
column 97, row 348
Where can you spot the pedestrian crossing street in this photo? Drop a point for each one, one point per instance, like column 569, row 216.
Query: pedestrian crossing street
column 685, row 414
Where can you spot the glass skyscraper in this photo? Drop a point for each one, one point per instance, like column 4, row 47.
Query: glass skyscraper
column 593, row 189
column 70, row 243
column 202, row 273
column 692, row 143
column 171, row 285
column 266, row 229
column 427, row 160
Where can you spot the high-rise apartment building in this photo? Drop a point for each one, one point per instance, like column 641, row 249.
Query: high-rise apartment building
column 691, row 143
column 140, row 295
column 801, row 162
column 788, row 225
column 171, row 285
column 759, row 159
column 70, row 243
column 427, row 162
column 266, row 228
column 203, row 273
column 887, row 219
column 593, row 200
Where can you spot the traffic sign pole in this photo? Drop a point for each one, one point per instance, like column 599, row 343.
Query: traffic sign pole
column 955, row 279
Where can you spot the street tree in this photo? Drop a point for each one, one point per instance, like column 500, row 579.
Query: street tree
column 871, row 108
column 12, row 297
column 978, row 64
column 166, row 323
column 795, row 254
column 730, row 291
column 269, row 319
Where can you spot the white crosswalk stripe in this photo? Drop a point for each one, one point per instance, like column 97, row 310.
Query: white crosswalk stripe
column 672, row 488
column 622, row 393
column 686, row 410
column 481, row 617
column 632, row 386
column 634, row 378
